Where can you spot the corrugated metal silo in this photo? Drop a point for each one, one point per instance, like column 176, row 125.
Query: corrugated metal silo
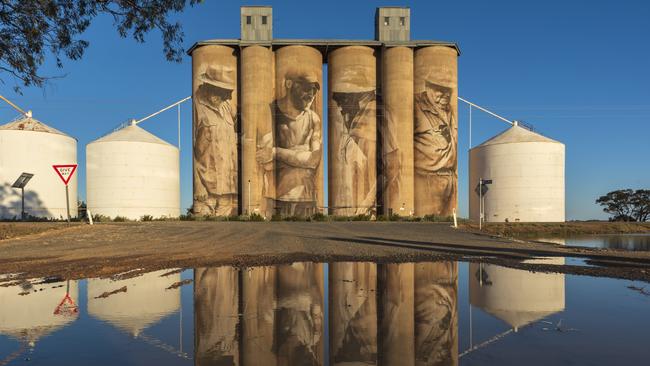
column 527, row 173
column 131, row 173
column 28, row 145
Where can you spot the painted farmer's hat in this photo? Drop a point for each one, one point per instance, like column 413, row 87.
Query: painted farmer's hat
column 355, row 79
column 441, row 76
column 218, row 76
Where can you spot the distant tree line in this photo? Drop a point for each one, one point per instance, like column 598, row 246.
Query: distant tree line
column 626, row 204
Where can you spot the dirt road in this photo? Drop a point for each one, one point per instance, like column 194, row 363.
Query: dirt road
column 109, row 248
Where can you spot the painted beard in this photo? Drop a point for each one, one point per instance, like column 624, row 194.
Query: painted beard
column 301, row 100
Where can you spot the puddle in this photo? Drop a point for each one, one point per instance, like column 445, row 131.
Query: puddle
column 437, row 313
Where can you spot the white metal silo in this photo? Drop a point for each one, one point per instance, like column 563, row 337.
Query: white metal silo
column 132, row 173
column 527, row 173
column 28, row 145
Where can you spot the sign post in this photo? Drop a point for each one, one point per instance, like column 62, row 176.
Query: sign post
column 66, row 172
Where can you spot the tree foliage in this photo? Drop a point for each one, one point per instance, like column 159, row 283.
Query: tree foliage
column 627, row 204
column 30, row 30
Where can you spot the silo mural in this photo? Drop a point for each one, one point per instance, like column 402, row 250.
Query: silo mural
column 392, row 131
column 352, row 131
column 397, row 131
column 257, row 95
column 436, row 314
column 436, row 131
column 214, row 92
column 298, row 145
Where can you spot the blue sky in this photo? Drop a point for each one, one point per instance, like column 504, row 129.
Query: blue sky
column 576, row 70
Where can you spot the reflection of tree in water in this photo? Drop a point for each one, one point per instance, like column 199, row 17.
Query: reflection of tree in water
column 11, row 203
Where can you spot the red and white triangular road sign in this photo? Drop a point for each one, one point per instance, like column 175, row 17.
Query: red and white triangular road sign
column 65, row 172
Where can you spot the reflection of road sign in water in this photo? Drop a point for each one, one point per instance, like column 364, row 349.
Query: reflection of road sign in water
column 67, row 306
column 65, row 172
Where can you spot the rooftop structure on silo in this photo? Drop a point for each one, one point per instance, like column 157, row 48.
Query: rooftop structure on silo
column 256, row 23
column 393, row 24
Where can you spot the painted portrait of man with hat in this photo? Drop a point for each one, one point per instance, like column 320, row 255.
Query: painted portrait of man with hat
column 435, row 145
column 298, row 145
column 215, row 143
column 355, row 126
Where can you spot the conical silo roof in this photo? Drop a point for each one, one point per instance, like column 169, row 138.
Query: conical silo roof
column 517, row 134
column 30, row 124
column 145, row 302
column 132, row 133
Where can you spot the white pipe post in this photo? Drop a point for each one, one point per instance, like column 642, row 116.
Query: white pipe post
column 470, row 126
column 179, row 128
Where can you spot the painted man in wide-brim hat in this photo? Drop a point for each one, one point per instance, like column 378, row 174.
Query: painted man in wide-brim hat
column 435, row 145
column 298, row 145
column 215, row 144
column 354, row 94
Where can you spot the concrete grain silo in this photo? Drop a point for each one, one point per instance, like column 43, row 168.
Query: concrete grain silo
column 352, row 131
column 298, row 80
column 527, row 173
column 30, row 146
column 435, row 131
column 215, row 98
column 396, row 131
column 515, row 296
column 132, row 173
column 257, row 95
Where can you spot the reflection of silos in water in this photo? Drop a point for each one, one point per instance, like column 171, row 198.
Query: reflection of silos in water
column 436, row 313
column 515, row 296
column 214, row 97
column 397, row 327
column 353, row 313
column 352, row 130
column 216, row 311
column 299, row 316
column 257, row 95
column 298, row 134
column 31, row 317
column 396, row 131
column 259, row 304
column 436, row 130
column 145, row 302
